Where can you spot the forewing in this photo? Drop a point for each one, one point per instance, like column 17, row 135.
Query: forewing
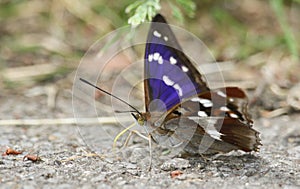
column 169, row 74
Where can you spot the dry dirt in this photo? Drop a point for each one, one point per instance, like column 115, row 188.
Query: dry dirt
column 66, row 161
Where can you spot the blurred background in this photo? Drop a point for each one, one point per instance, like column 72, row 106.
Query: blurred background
column 255, row 42
column 42, row 43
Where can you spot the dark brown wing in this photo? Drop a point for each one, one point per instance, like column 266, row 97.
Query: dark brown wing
column 215, row 121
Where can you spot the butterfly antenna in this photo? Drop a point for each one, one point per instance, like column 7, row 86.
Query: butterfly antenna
column 125, row 111
column 89, row 83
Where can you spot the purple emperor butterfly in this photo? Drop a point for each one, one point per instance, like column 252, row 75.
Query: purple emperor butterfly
column 181, row 111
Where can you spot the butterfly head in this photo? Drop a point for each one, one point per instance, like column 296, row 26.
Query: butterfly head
column 141, row 118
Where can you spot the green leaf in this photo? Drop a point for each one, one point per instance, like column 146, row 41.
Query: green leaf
column 290, row 40
column 142, row 11
column 133, row 6
column 189, row 7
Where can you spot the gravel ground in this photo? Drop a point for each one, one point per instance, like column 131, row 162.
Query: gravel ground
column 66, row 162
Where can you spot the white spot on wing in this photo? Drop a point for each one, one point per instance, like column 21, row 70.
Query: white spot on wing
column 195, row 99
column 150, row 57
column 184, row 69
column 212, row 131
column 156, row 56
column 208, row 104
column 166, row 38
column 202, row 114
column 205, row 102
column 168, row 81
column 156, row 34
column 160, row 60
column 233, row 115
column 178, row 88
column 208, row 124
column 221, row 93
column 224, row 108
column 173, row 60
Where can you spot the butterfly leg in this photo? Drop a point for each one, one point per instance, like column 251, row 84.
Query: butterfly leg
column 149, row 138
column 150, row 151
column 130, row 134
column 205, row 159
column 121, row 133
column 127, row 139
column 140, row 134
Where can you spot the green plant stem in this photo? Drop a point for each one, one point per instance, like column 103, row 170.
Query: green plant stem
column 289, row 38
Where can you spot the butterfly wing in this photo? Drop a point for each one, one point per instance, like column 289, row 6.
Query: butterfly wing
column 216, row 126
column 169, row 74
column 197, row 119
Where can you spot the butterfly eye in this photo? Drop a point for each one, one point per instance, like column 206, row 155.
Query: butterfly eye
column 139, row 118
column 141, row 121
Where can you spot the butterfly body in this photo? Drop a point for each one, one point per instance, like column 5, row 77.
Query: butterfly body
column 181, row 111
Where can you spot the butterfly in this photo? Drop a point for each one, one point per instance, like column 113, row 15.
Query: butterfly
column 182, row 112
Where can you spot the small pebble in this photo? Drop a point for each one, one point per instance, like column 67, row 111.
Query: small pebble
column 176, row 163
